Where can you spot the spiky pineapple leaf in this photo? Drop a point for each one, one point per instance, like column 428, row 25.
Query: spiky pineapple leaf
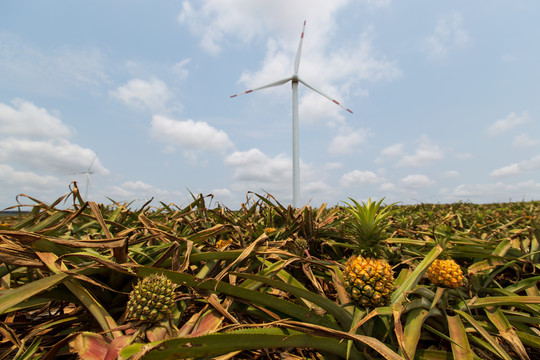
column 13, row 297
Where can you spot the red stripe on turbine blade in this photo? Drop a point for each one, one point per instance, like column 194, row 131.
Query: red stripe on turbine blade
column 234, row 95
column 249, row 91
column 349, row 111
column 335, row 101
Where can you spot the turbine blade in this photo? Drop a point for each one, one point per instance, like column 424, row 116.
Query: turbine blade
column 299, row 52
column 277, row 83
column 92, row 162
column 323, row 94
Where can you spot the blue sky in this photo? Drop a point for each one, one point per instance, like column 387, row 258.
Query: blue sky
column 445, row 98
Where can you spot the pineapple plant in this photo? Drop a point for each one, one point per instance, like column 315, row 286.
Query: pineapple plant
column 368, row 277
column 151, row 300
column 445, row 273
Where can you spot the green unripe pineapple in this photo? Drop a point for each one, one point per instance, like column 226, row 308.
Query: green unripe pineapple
column 301, row 245
column 152, row 299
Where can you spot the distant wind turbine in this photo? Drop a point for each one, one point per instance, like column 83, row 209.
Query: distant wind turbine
column 295, row 79
column 88, row 172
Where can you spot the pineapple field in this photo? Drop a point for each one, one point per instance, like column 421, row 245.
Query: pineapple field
column 359, row 280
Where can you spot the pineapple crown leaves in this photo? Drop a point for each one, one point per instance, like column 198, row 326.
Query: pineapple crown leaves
column 368, row 221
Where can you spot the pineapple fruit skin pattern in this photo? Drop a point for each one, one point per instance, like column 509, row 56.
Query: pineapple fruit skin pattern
column 151, row 299
column 369, row 281
column 445, row 273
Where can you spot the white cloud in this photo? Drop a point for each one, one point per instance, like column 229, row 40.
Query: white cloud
column 526, row 190
column 215, row 21
column 387, row 186
column 417, row 181
column 27, row 120
column 57, row 156
column 513, row 120
column 449, row 33
column 254, row 165
column 392, row 151
column 357, row 177
column 255, row 170
column 152, row 94
column 517, row 168
column 348, row 142
column 451, row 174
column 376, row 3
column 524, row 140
column 136, row 186
column 317, row 187
column 222, row 193
column 506, row 171
column 189, row 135
column 32, row 139
column 179, row 69
column 25, row 179
column 131, row 190
column 314, row 109
column 426, row 153
column 333, row 165
column 49, row 70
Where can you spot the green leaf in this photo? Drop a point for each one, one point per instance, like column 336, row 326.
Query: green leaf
column 13, row 297
column 367, row 220
column 493, row 342
column 433, row 355
column 219, row 344
column 412, row 330
column 250, row 339
column 523, row 284
column 528, row 302
column 101, row 315
column 343, row 316
column 29, row 354
column 410, row 282
column 461, row 348
column 529, row 339
column 496, row 316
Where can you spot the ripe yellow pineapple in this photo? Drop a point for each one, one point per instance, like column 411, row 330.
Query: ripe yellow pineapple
column 269, row 230
column 221, row 244
column 368, row 278
column 445, row 273
column 152, row 299
column 369, row 281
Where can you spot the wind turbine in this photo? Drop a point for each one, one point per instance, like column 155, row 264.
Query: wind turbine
column 88, row 172
column 295, row 79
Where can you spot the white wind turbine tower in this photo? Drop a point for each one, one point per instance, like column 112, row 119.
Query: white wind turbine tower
column 295, row 79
